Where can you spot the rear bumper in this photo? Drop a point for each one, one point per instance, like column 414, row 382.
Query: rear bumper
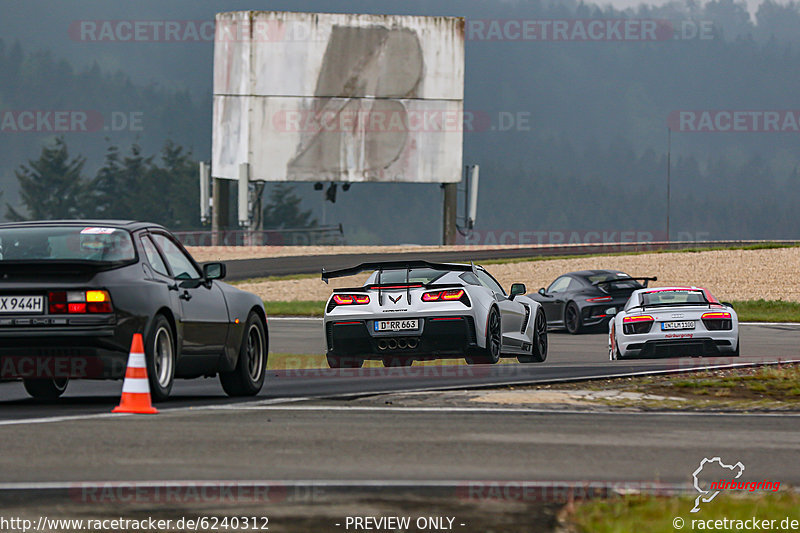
column 698, row 347
column 597, row 314
column 90, row 352
column 437, row 337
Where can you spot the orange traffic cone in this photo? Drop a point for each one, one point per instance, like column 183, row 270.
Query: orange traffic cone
column 135, row 388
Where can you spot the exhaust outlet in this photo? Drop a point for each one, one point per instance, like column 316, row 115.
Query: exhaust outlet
column 413, row 343
column 392, row 344
column 401, row 343
column 382, row 345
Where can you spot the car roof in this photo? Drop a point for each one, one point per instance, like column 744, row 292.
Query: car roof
column 130, row 225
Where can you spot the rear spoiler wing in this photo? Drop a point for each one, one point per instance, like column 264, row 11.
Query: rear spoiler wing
column 393, row 265
column 645, row 279
column 380, row 266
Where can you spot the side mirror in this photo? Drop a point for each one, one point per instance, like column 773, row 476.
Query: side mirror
column 214, row 271
column 517, row 288
column 542, row 292
column 727, row 304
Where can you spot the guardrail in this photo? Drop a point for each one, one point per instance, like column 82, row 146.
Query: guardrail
column 312, row 264
column 319, row 236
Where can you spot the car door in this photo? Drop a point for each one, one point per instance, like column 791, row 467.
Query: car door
column 511, row 311
column 204, row 315
column 554, row 300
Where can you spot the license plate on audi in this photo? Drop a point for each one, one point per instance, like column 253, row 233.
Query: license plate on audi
column 21, row 304
column 665, row 326
column 396, row 325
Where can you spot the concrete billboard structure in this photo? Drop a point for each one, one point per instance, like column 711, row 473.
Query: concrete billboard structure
column 338, row 97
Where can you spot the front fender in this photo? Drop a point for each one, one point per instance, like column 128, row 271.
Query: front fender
column 239, row 303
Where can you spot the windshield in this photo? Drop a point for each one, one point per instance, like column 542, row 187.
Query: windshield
column 673, row 297
column 65, row 243
column 415, row 275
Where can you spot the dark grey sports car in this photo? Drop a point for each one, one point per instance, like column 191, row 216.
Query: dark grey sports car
column 580, row 300
column 73, row 293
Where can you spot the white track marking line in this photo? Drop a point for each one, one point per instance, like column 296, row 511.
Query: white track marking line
column 265, row 404
column 345, row 483
column 486, row 410
column 92, row 416
column 769, row 323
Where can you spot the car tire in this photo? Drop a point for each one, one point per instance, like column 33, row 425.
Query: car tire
column 539, row 345
column 47, row 388
column 572, row 319
column 613, row 349
column 494, row 342
column 735, row 353
column 335, row 361
column 251, row 367
column 159, row 355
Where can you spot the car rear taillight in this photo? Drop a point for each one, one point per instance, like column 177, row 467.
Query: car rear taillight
column 637, row 324
column 79, row 302
column 351, row 299
column 600, row 299
column 446, row 296
column 717, row 321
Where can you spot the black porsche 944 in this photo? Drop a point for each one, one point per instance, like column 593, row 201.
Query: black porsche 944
column 73, row 294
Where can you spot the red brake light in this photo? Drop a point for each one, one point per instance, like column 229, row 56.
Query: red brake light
column 450, row 295
column 453, row 295
column 349, row 299
column 716, row 316
column 600, row 299
column 99, row 307
column 58, row 302
column 78, row 302
column 76, row 308
column 637, row 318
column 637, row 324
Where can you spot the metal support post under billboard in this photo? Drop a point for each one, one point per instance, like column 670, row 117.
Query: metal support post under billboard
column 220, row 212
column 205, row 192
column 449, row 213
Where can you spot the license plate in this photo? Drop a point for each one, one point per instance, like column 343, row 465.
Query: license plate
column 21, row 304
column 677, row 325
column 396, row 325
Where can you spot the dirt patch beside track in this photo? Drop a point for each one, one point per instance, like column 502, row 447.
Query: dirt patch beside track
column 728, row 274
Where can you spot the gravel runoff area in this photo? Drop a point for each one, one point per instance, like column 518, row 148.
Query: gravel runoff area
column 729, row 274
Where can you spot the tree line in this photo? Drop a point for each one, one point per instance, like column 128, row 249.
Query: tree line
column 162, row 188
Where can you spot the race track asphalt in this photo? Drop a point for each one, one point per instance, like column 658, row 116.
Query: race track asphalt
column 305, row 426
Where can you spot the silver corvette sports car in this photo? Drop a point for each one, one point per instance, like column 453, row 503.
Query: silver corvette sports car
column 673, row 321
column 417, row 310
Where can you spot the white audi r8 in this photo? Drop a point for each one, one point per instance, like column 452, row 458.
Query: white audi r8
column 417, row 310
column 673, row 321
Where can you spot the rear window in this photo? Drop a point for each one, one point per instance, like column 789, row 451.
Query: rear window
column 674, row 297
column 415, row 275
column 66, row 243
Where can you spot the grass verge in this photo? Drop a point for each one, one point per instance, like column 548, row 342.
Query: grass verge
column 767, row 311
column 297, row 308
column 656, row 514
column 748, row 310
column 738, row 389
